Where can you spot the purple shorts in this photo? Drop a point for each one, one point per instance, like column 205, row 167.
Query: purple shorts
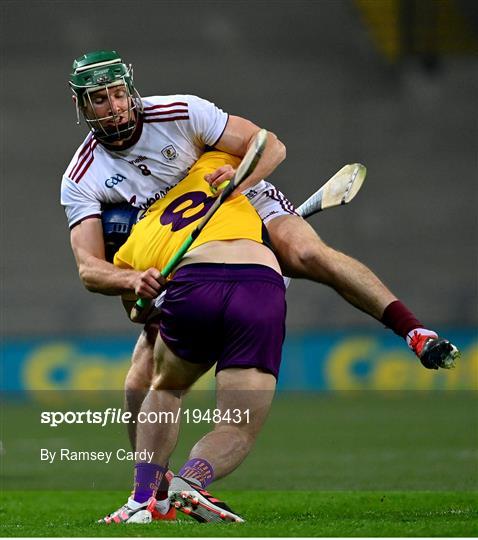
column 231, row 314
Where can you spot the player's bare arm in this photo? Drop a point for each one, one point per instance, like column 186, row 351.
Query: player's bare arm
column 236, row 139
column 98, row 275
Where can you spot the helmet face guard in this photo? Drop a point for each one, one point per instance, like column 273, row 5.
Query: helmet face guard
column 104, row 70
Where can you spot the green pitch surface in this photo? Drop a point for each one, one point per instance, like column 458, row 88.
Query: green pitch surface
column 346, row 464
column 273, row 514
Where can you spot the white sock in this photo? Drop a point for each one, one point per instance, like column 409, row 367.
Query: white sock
column 193, row 481
column 135, row 505
column 421, row 332
column 163, row 506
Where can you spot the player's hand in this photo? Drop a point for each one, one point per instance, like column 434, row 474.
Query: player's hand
column 148, row 284
column 220, row 178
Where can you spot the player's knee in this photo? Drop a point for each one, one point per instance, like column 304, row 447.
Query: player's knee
column 137, row 378
column 140, row 373
column 311, row 254
column 168, row 381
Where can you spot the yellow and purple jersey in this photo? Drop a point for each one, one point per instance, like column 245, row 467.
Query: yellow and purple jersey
column 170, row 220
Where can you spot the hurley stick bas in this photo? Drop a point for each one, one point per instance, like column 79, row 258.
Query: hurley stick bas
column 339, row 190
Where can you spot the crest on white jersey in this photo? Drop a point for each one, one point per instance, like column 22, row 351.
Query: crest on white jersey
column 169, row 152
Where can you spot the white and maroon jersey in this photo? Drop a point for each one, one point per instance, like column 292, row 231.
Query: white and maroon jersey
column 174, row 132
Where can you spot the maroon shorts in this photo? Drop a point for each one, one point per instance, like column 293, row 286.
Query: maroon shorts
column 231, row 314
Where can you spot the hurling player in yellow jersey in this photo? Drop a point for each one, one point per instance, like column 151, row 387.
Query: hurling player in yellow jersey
column 225, row 305
column 166, row 224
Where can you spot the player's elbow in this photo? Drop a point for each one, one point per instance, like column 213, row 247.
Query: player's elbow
column 279, row 147
column 282, row 151
column 84, row 274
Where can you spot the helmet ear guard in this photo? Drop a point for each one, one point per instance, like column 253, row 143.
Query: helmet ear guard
column 118, row 220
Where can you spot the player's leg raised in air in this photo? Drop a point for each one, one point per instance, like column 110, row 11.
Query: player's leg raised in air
column 303, row 254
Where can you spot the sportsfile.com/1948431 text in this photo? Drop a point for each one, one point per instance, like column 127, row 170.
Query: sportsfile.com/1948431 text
column 112, row 415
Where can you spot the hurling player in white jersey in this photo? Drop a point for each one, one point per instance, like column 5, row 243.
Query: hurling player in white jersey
column 138, row 148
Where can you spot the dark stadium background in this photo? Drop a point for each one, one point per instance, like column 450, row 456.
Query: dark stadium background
column 389, row 83
column 330, row 77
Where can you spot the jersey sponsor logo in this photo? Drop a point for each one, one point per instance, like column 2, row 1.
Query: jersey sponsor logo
column 169, row 152
column 270, row 214
column 151, row 200
column 139, row 159
column 114, row 180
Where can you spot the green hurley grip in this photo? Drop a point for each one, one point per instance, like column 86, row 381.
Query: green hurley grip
column 141, row 303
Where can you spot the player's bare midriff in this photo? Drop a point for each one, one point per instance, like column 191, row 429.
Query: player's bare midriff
column 232, row 252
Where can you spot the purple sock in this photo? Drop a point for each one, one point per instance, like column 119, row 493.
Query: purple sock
column 147, row 477
column 199, row 470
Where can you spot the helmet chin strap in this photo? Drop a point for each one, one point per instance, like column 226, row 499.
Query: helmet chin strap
column 118, row 135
